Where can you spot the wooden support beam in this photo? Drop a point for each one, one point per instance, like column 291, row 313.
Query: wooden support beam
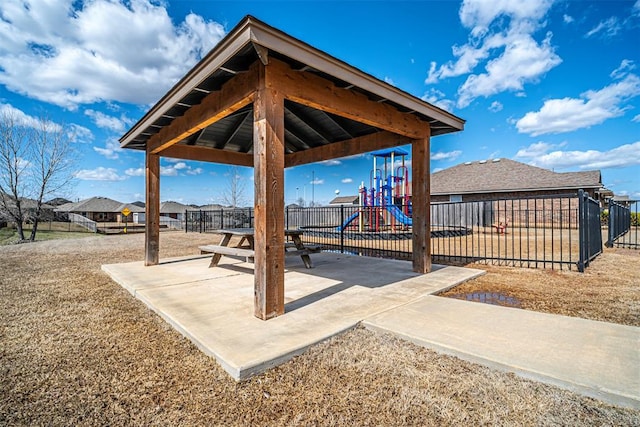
column 421, row 204
column 152, row 215
column 349, row 147
column 268, row 154
column 206, row 154
column 309, row 89
column 234, row 94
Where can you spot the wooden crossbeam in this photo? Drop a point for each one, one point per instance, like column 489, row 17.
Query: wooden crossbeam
column 206, row 154
column 311, row 90
column 349, row 147
column 234, row 94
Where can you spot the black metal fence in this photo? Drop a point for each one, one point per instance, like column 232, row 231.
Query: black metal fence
column 545, row 232
column 590, row 230
column 623, row 225
column 207, row 221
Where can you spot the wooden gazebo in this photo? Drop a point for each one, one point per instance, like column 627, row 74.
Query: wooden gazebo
column 262, row 98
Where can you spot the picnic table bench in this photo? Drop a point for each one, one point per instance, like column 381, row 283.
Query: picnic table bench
column 245, row 248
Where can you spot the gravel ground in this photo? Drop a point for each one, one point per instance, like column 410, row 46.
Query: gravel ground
column 77, row 349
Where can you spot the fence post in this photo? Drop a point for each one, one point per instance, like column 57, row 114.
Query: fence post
column 611, row 225
column 342, row 229
column 582, row 231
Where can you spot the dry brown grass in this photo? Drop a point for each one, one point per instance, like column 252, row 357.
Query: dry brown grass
column 76, row 349
column 608, row 290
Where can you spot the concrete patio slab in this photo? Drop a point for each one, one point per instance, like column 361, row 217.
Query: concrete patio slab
column 213, row 307
column 598, row 359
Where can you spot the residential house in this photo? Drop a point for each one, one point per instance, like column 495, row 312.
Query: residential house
column 100, row 209
column 505, row 179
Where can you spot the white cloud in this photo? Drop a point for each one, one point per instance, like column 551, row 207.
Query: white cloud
column 501, row 36
column 68, row 52
column 567, row 19
column 79, row 133
column 437, row 98
column 592, row 108
column 626, row 65
column 135, row 171
column 537, row 149
column 317, row 181
column 635, row 10
column 331, row 162
column 110, row 150
column 523, row 60
column 168, row 171
column 347, row 181
column 495, row 107
column 389, row 80
column 196, row 171
column 108, row 122
column 451, row 155
column 99, row 174
column 177, row 167
column 607, row 28
column 637, row 117
column 24, row 119
column 622, row 156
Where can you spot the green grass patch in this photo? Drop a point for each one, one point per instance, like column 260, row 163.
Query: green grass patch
column 10, row 235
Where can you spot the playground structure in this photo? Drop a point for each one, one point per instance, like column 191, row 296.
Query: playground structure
column 386, row 204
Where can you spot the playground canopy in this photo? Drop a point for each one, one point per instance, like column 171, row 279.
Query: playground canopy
column 264, row 99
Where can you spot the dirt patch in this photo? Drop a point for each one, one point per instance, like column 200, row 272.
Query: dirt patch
column 77, row 349
column 609, row 289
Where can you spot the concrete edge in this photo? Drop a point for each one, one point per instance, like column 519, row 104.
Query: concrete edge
column 258, row 367
column 478, row 273
column 607, row 396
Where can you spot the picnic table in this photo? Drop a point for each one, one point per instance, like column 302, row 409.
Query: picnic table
column 245, row 248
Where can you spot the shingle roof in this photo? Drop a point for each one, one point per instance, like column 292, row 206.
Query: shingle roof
column 504, row 175
column 98, row 204
column 344, row 200
column 172, row 207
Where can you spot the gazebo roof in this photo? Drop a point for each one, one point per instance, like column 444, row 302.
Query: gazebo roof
column 305, row 127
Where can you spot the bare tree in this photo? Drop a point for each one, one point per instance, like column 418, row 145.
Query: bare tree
column 234, row 192
column 36, row 162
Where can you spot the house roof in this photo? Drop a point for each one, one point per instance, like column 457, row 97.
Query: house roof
column 305, row 127
column 98, row 204
column 171, row 207
column 344, row 200
column 504, row 175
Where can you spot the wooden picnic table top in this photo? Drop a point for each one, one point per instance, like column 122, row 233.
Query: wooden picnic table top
column 251, row 231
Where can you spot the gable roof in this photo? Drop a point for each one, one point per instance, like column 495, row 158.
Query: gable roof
column 250, row 41
column 98, row 204
column 505, row 175
column 171, row 207
column 344, row 200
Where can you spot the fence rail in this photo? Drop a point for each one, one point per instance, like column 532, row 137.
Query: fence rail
column 545, row 232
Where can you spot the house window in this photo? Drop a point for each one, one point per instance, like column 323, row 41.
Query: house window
column 455, row 198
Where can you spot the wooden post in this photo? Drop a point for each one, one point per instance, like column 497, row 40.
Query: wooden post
column 421, row 203
column 152, row 207
column 268, row 155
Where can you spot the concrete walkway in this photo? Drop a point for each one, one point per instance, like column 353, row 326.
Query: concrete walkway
column 213, row 307
column 598, row 359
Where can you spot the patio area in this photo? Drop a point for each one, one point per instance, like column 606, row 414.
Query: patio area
column 213, row 307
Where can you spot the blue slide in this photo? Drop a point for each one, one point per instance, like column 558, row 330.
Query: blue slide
column 347, row 222
column 399, row 215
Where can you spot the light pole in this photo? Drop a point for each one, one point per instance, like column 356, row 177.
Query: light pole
column 313, row 187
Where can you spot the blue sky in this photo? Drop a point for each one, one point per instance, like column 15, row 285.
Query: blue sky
column 550, row 83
